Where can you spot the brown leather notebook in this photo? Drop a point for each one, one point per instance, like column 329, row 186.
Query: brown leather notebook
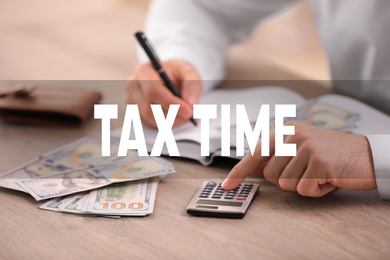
column 51, row 106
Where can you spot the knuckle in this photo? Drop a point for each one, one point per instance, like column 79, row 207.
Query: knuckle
column 190, row 71
column 150, row 93
column 131, row 85
column 299, row 134
column 283, row 184
column 306, row 148
column 286, row 184
column 146, row 113
column 318, row 162
column 303, row 192
column 267, row 172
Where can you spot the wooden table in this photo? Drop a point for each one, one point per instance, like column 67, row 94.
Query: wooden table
column 279, row 225
column 75, row 39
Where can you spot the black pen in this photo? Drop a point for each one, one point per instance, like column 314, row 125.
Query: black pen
column 157, row 66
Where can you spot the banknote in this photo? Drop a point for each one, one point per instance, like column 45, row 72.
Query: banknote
column 330, row 117
column 75, row 204
column 78, row 180
column 62, row 184
column 78, row 154
column 55, row 203
column 134, row 198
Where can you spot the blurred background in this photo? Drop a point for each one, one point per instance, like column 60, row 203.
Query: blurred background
column 93, row 40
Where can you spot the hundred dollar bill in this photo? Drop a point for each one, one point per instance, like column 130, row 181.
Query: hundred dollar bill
column 57, row 204
column 80, row 153
column 74, row 204
column 74, row 181
column 54, row 204
column 125, row 199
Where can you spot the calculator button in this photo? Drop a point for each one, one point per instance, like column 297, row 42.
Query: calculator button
column 211, row 183
column 218, row 194
column 241, row 198
column 216, row 197
column 207, row 190
column 203, row 196
column 243, row 195
column 229, row 197
column 205, row 193
column 246, row 189
column 209, row 187
column 248, row 185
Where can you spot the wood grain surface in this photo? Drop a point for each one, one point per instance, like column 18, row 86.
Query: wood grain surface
column 84, row 40
column 279, row 224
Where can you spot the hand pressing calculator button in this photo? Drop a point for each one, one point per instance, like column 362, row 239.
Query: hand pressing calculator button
column 211, row 200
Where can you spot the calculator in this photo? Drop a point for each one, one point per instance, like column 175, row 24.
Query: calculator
column 213, row 201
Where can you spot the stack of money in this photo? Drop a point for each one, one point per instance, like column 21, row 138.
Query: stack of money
column 134, row 198
column 118, row 186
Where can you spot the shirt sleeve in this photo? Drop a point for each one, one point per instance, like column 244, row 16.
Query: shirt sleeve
column 200, row 31
column 380, row 147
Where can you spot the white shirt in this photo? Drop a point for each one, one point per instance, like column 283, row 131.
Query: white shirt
column 353, row 33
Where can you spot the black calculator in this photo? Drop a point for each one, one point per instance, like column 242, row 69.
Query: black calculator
column 213, row 201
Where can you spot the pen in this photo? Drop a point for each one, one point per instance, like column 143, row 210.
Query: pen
column 157, row 66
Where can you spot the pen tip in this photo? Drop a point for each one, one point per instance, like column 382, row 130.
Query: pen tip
column 193, row 121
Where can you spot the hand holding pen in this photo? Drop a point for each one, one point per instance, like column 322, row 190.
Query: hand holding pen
column 147, row 87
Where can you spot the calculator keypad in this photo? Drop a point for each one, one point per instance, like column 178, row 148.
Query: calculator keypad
column 214, row 190
column 213, row 201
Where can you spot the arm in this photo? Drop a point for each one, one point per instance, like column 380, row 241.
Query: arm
column 200, row 31
column 191, row 37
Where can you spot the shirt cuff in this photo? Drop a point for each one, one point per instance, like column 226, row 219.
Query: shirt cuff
column 380, row 147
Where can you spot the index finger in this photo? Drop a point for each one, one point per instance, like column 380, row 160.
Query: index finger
column 248, row 165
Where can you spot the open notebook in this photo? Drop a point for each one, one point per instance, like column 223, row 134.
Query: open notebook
column 329, row 111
